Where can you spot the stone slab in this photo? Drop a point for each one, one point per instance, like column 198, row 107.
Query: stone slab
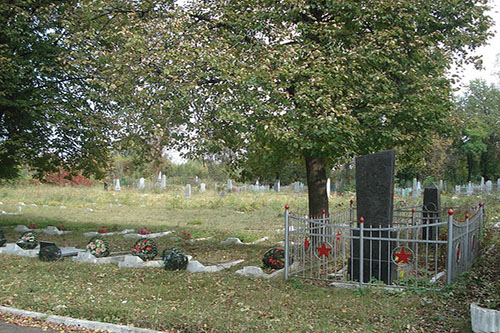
column 12, row 248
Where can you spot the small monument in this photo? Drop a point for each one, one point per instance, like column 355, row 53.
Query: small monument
column 482, row 184
column 374, row 197
column 163, row 184
column 328, row 187
column 117, row 184
column 203, row 187
column 431, row 211
column 159, row 177
column 488, row 186
column 229, row 185
column 277, row 185
column 414, row 190
column 458, row 189
column 470, row 191
column 187, row 192
column 142, row 184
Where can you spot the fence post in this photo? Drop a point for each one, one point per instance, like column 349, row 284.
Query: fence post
column 481, row 219
column 351, row 211
column 361, row 250
column 287, row 250
column 466, row 252
column 450, row 247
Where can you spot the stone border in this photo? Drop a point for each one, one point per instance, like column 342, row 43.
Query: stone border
column 68, row 321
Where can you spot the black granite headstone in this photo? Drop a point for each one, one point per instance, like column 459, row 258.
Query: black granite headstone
column 374, row 195
column 431, row 211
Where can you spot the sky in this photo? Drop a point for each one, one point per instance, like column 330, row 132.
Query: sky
column 489, row 53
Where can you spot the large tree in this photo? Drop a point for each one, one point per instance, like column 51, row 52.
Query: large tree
column 323, row 81
column 479, row 116
column 50, row 115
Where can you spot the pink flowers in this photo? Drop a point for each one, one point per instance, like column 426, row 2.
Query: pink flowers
column 185, row 235
column 144, row 231
column 32, row 226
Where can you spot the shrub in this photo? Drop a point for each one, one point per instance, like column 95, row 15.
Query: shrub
column 65, row 178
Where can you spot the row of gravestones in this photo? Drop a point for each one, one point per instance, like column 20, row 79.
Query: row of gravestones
column 484, row 187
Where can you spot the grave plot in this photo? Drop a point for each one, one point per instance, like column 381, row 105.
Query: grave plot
column 373, row 243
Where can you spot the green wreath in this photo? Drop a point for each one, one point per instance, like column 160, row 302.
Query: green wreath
column 98, row 247
column 28, row 240
column 145, row 249
column 3, row 240
column 50, row 253
column 274, row 258
column 174, row 259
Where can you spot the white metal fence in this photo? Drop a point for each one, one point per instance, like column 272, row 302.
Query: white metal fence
column 420, row 248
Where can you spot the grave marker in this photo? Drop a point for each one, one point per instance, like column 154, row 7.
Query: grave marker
column 117, row 185
column 229, row 186
column 203, row 187
column 374, row 195
column 431, row 211
column 414, row 191
column 187, row 192
column 163, row 184
column 488, row 186
column 328, row 187
column 141, row 184
column 469, row 189
column 277, row 185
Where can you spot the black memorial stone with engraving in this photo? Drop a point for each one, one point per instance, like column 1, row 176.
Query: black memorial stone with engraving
column 431, row 211
column 374, row 195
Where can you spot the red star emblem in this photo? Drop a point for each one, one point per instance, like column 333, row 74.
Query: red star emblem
column 402, row 256
column 323, row 250
column 306, row 243
column 338, row 235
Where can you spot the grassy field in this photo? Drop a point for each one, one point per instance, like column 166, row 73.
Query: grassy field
column 163, row 300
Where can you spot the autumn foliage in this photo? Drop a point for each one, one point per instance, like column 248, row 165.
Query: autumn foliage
column 67, row 178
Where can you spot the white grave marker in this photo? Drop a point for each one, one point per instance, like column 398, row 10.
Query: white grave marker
column 187, row 192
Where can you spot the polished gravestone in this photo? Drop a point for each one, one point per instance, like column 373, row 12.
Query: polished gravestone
column 374, row 195
column 431, row 211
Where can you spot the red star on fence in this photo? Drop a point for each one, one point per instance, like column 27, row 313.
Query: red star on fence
column 402, row 256
column 306, row 243
column 323, row 250
column 338, row 235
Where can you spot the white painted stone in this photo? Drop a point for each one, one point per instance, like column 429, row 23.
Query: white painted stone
column 21, row 204
column 469, row 189
column 187, row 192
column 154, row 235
column 34, row 205
column 21, row 228
column 94, row 233
column 255, row 271
column 63, row 207
column 141, row 184
column 200, row 239
column 19, row 209
column 85, row 256
column 12, row 248
column 195, row 266
column 1, row 203
column 136, row 262
column 232, row 240
column 90, row 209
column 484, row 320
column 203, row 187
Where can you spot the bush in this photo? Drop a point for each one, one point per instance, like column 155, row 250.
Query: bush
column 65, row 178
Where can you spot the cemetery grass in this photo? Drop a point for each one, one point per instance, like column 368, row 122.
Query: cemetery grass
column 182, row 301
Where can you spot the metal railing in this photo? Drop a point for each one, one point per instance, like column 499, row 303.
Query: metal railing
column 420, row 248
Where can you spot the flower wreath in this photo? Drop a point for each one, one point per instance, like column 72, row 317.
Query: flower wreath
column 28, row 240
column 274, row 258
column 50, row 253
column 174, row 259
column 98, row 247
column 145, row 249
column 3, row 240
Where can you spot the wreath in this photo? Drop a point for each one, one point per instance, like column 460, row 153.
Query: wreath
column 28, row 240
column 274, row 258
column 50, row 253
column 145, row 249
column 3, row 240
column 98, row 247
column 174, row 259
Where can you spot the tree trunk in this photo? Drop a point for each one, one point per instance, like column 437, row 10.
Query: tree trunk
column 316, row 186
column 469, row 166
